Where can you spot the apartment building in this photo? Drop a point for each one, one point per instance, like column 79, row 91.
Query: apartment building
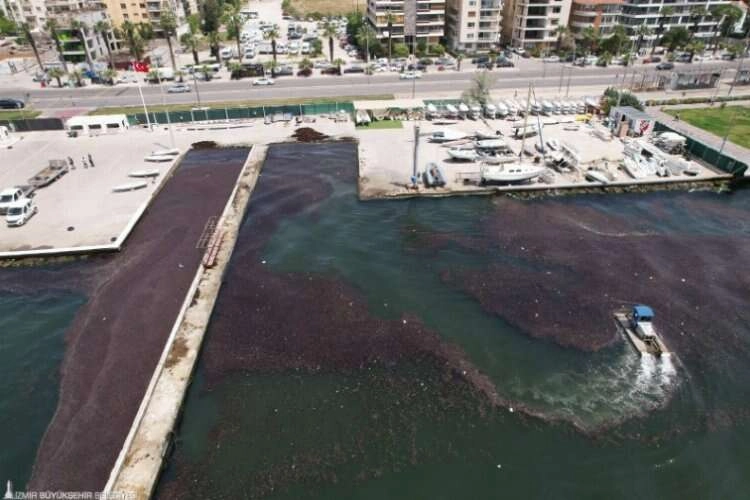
column 603, row 15
column 473, row 25
column 533, row 23
column 407, row 19
column 639, row 12
column 134, row 11
column 33, row 12
column 76, row 20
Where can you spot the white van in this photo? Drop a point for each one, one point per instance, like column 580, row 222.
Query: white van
column 305, row 48
column 20, row 212
column 226, row 53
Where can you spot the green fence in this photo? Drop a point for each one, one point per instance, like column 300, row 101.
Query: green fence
column 702, row 151
column 239, row 113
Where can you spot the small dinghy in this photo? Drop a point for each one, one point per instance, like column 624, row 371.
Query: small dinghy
column 463, row 154
column 144, row 173
column 166, row 152
column 433, row 176
column 159, row 158
column 485, row 136
column 597, row 176
column 133, row 186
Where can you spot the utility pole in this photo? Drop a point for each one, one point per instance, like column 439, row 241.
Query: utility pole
column 416, row 149
column 197, row 92
column 562, row 71
column 739, row 68
column 166, row 110
column 145, row 109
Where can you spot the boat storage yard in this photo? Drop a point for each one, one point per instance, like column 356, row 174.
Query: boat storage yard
column 477, row 155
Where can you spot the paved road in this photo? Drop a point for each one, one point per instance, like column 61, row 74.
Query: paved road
column 551, row 76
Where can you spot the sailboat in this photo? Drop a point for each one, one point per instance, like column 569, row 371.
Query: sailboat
column 517, row 171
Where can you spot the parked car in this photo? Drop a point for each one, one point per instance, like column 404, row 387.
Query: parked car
column 9, row 103
column 551, row 59
column 355, row 69
column 178, row 88
column 502, row 62
column 410, row 75
column 11, row 195
column 683, row 58
column 263, row 81
column 481, row 60
column 665, row 65
column 20, row 212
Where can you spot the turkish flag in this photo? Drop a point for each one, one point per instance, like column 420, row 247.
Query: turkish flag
column 140, row 67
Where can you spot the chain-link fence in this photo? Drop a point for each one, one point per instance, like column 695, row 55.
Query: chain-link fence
column 210, row 114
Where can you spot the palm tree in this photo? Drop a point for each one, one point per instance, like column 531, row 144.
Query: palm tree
column 103, row 28
column 80, row 27
column 329, row 30
column 305, row 63
column 641, row 32
column 214, row 39
column 234, row 22
column 389, row 20
column 57, row 74
column 728, row 16
column 338, row 62
column 561, row 32
column 591, row 39
column 77, row 76
column 273, row 35
column 696, row 15
column 28, row 37
column 51, row 26
column 191, row 40
column 665, row 13
column 130, row 33
column 168, row 24
column 271, row 66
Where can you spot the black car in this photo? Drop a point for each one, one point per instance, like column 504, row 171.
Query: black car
column 354, row 69
column 665, row 65
column 11, row 104
column 481, row 60
column 502, row 62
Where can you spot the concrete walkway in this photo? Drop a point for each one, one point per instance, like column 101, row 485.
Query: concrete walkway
column 730, row 148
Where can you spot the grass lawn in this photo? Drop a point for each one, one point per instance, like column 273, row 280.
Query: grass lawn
column 19, row 114
column 717, row 120
column 131, row 110
column 326, row 7
column 381, row 124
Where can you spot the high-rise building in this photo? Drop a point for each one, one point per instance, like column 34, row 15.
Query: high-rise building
column 134, row 11
column 473, row 25
column 33, row 12
column 76, row 20
column 533, row 23
column 603, row 15
column 642, row 12
column 406, row 19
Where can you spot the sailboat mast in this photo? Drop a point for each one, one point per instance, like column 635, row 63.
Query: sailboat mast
column 525, row 122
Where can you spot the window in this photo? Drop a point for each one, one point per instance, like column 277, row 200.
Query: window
column 472, row 14
column 123, row 6
column 125, row 16
column 470, row 25
column 472, row 3
column 470, row 35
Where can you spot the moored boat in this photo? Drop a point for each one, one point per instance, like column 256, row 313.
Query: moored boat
column 463, row 154
column 144, row 173
column 133, row 186
column 510, row 172
column 447, row 135
column 159, row 158
column 597, row 176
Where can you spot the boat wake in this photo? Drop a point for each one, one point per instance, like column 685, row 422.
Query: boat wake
column 602, row 395
column 608, row 234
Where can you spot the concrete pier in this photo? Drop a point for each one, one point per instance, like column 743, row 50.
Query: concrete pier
column 138, row 465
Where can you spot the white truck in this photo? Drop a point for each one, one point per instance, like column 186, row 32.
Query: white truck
column 19, row 212
column 11, row 195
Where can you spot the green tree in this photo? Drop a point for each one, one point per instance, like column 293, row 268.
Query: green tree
column 271, row 66
column 214, row 40
column 338, row 62
column 305, row 63
column 590, row 39
column 367, row 40
column 52, row 29
column 316, row 47
column 664, row 14
column 273, row 35
column 28, row 37
column 130, row 34
column 676, row 38
column 211, row 14
column 562, row 32
column 168, row 25
column 727, row 15
column 615, row 42
column 611, row 96
column 191, row 40
column 479, row 90
column 7, row 26
column 57, row 74
column 235, row 70
column 400, row 50
column 329, row 30
column 641, row 32
column 437, row 49
column 234, row 21
column 77, row 76
column 103, row 29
